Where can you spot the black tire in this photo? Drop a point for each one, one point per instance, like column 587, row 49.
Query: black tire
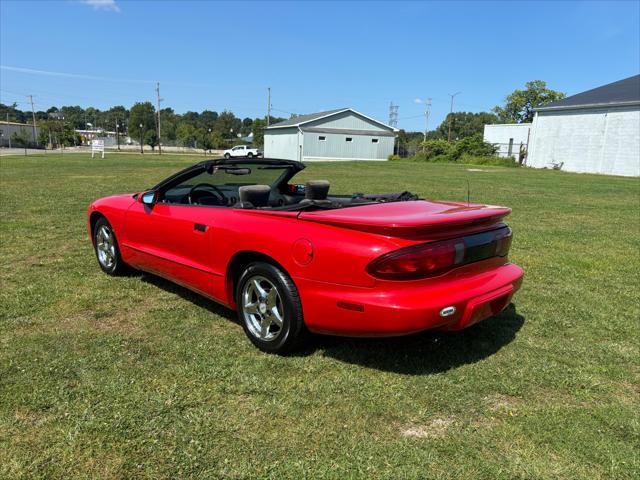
column 249, row 155
column 293, row 333
column 117, row 266
column 227, row 156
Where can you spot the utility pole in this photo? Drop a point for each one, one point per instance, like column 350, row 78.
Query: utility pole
column 33, row 112
column 7, row 127
column 117, row 134
column 159, row 100
column 393, row 121
column 427, row 112
column 268, row 105
column 451, row 115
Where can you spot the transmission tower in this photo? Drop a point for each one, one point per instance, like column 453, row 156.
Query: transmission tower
column 393, row 115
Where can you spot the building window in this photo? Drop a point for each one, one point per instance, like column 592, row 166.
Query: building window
column 374, row 140
column 322, row 138
column 349, row 139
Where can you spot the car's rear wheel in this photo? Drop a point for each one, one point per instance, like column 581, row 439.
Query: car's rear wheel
column 227, row 156
column 107, row 250
column 269, row 309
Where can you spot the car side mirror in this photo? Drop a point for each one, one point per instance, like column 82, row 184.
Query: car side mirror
column 148, row 198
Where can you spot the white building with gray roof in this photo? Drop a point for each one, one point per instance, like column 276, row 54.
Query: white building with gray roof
column 341, row 134
column 597, row 131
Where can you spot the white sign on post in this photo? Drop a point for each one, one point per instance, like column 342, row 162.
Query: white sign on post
column 97, row 146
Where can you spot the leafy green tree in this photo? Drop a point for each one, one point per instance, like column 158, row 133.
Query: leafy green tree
column 44, row 132
column 205, row 139
column 519, row 105
column 92, row 117
column 168, row 124
column 186, row 134
column 247, row 126
column 465, row 124
column 207, row 120
column 228, row 125
column 21, row 137
column 109, row 118
column 151, row 138
column 217, row 140
column 191, row 118
column 258, row 131
column 15, row 115
column 75, row 116
column 142, row 113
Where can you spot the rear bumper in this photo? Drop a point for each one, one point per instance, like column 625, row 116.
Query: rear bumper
column 400, row 308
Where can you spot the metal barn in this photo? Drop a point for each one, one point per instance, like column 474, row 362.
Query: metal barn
column 597, row 131
column 342, row 134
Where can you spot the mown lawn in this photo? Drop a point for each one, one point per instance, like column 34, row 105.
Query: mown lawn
column 137, row 378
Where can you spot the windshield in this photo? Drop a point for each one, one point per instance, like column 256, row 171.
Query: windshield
column 225, row 179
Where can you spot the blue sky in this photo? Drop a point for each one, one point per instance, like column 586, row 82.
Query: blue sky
column 315, row 56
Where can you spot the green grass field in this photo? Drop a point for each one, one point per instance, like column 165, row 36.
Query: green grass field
column 134, row 377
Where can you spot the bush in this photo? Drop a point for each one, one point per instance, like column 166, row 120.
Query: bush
column 474, row 146
column 443, row 151
column 435, row 148
column 394, row 157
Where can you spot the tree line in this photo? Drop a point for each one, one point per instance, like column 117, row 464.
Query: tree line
column 209, row 129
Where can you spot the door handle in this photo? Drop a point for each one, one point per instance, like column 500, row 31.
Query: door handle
column 200, row 227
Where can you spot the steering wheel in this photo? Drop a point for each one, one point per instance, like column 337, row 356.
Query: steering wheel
column 222, row 200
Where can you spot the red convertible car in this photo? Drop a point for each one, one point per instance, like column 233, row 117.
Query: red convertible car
column 293, row 259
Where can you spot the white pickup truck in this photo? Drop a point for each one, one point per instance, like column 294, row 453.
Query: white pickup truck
column 242, row 151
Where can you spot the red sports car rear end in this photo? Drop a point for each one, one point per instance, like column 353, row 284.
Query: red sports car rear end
column 445, row 266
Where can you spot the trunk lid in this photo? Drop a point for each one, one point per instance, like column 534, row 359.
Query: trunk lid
column 412, row 218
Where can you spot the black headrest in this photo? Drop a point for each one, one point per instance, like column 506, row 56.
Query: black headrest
column 256, row 195
column 316, row 190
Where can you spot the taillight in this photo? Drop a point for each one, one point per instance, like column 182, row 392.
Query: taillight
column 432, row 259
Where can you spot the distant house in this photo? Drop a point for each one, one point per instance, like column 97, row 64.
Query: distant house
column 597, row 131
column 512, row 139
column 342, row 134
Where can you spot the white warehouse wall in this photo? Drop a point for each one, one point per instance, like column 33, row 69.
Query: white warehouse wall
column 589, row 140
column 502, row 134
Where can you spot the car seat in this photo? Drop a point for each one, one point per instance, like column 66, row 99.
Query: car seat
column 315, row 193
column 253, row 196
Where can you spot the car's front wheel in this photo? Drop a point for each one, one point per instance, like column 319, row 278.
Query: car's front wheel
column 107, row 249
column 250, row 155
column 269, row 309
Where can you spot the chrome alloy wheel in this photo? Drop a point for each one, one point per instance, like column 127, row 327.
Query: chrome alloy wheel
column 105, row 247
column 262, row 308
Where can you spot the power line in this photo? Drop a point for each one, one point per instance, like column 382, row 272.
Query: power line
column 413, row 116
column 282, row 111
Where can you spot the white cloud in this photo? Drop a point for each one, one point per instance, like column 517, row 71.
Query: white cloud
column 109, row 5
column 417, row 100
